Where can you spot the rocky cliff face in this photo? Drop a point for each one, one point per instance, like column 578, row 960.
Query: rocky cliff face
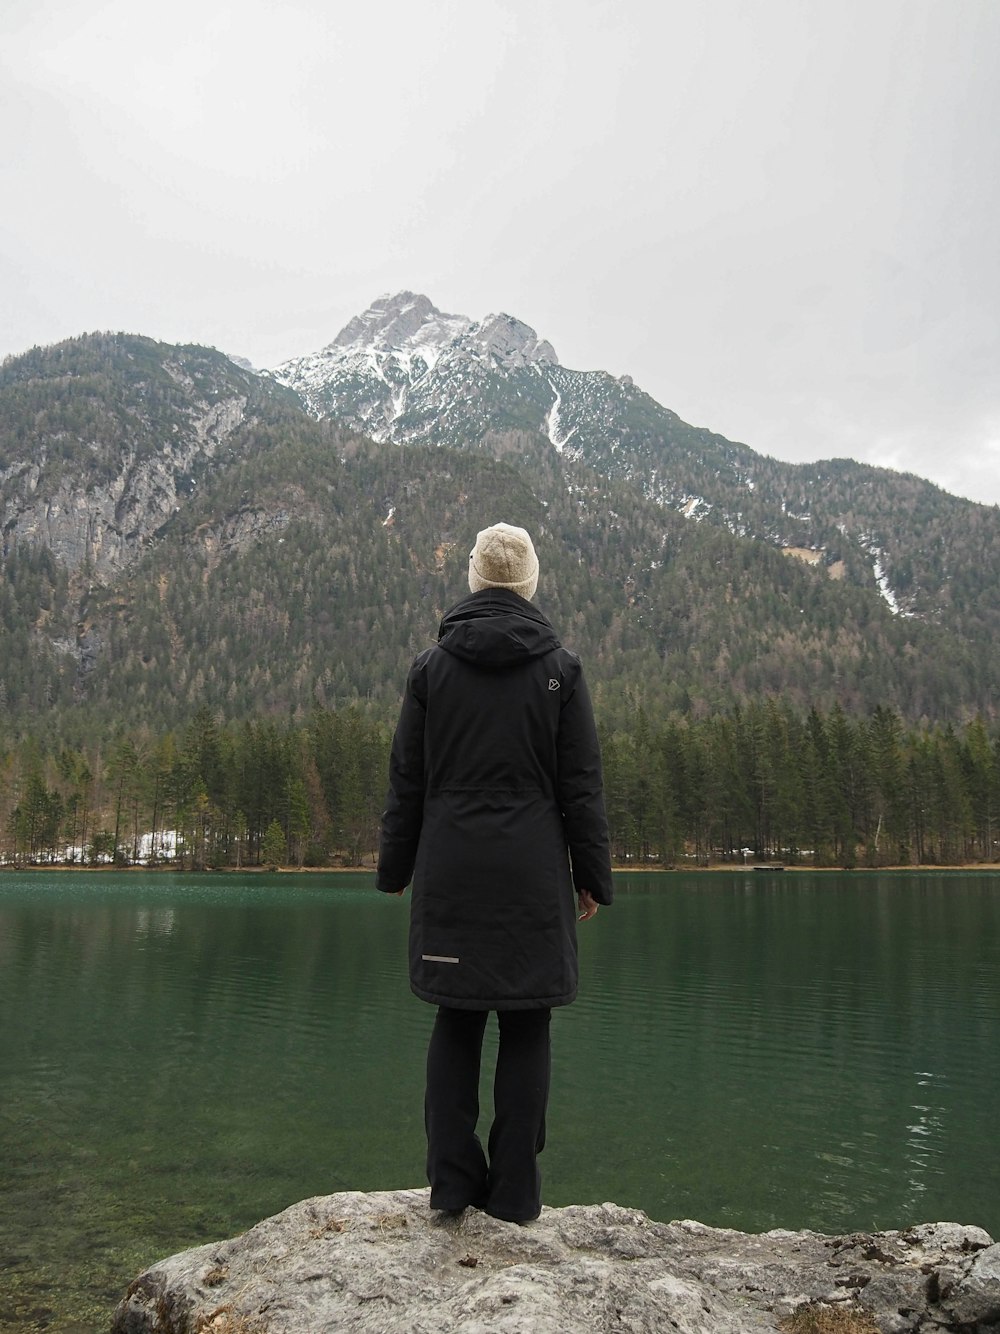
column 382, row 1262
column 105, row 525
column 103, row 439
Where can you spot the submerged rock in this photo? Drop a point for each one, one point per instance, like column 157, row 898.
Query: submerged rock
column 384, row 1262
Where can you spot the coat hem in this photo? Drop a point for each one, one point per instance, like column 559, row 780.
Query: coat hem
column 495, row 1003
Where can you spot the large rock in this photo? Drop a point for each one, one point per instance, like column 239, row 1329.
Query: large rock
column 383, row 1262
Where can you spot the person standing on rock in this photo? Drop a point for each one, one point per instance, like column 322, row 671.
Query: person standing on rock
column 496, row 813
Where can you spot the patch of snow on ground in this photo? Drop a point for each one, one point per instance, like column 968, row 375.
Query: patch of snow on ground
column 428, row 353
column 883, row 582
column 163, row 848
column 881, row 578
column 398, row 402
column 165, row 845
column 690, row 508
column 552, row 423
column 376, row 365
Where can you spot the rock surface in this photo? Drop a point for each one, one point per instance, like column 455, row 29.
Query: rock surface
column 107, row 525
column 384, row 1262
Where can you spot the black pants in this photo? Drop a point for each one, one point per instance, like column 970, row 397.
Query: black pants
column 509, row 1185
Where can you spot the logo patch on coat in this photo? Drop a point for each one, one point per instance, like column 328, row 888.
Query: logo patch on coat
column 553, row 683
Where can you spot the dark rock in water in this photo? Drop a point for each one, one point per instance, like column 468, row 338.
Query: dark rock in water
column 384, row 1262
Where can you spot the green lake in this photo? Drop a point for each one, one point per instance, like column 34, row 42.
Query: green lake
column 182, row 1055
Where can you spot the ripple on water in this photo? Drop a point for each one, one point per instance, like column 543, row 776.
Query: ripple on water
column 189, row 1055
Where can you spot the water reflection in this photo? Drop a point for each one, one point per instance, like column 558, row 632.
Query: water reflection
column 154, row 921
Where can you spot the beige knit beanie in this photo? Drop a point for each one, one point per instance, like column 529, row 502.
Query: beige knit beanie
column 503, row 557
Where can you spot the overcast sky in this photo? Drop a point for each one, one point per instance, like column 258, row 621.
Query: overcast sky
column 779, row 216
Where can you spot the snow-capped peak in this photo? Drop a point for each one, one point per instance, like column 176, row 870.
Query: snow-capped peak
column 393, row 363
column 507, row 341
column 400, row 320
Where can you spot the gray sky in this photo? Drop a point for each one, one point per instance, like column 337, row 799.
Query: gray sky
column 779, row 216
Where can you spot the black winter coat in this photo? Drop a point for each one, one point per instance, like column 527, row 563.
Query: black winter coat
column 495, row 788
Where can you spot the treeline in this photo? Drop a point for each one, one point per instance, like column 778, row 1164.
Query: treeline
column 762, row 781
column 818, row 789
column 257, row 793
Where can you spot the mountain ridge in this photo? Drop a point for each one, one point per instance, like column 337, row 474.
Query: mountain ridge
column 467, row 390
column 180, row 532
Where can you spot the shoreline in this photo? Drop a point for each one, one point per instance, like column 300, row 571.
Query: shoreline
column 710, row 868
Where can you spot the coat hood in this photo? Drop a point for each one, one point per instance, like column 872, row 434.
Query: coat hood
column 496, row 628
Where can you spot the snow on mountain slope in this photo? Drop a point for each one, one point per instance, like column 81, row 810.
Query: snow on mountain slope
column 406, row 372
column 391, row 370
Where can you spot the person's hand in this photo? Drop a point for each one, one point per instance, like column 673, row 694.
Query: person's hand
column 588, row 906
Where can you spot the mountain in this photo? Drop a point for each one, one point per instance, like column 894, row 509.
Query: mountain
column 105, row 438
column 405, row 372
column 180, row 532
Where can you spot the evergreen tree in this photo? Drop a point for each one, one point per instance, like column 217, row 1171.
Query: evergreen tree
column 273, row 847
